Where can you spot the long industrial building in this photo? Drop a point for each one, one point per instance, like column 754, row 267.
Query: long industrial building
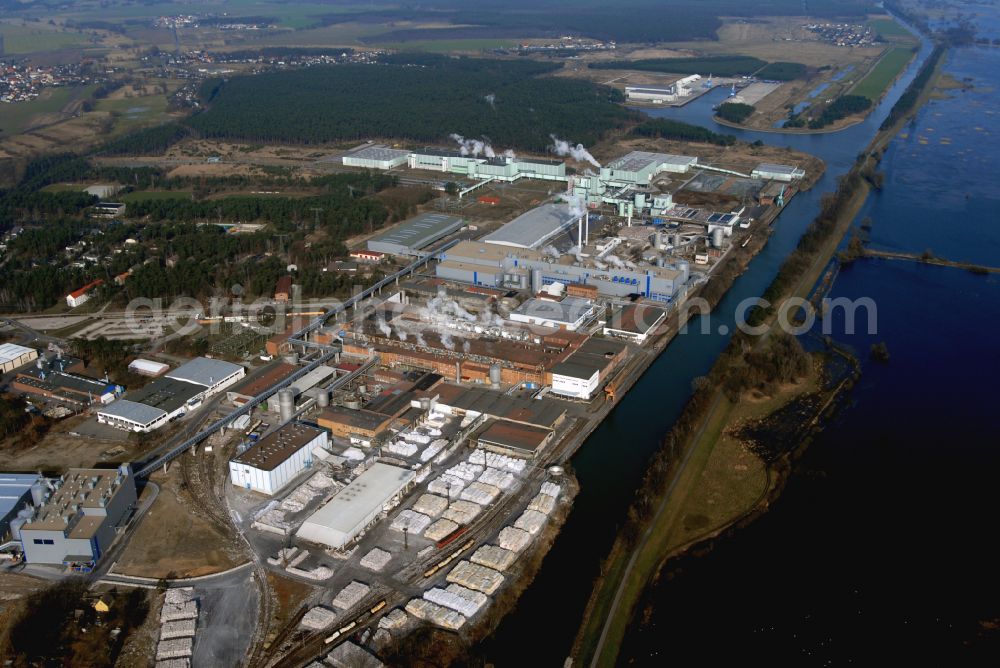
column 413, row 235
column 535, row 227
column 169, row 396
column 13, row 356
column 17, row 491
column 80, row 517
column 357, row 506
column 496, row 266
column 273, row 462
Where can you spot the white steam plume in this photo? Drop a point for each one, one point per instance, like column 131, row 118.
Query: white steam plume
column 473, row 147
column 491, row 99
column 578, row 152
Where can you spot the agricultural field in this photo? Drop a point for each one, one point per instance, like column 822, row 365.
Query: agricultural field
column 890, row 30
column 20, row 39
column 884, row 73
column 16, row 118
column 448, row 45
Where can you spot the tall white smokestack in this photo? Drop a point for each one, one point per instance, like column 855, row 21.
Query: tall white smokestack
column 579, row 234
column 586, row 238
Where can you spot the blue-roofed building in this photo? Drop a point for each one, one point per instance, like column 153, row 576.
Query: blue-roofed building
column 15, row 495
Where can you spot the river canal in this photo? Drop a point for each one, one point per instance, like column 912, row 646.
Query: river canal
column 883, row 534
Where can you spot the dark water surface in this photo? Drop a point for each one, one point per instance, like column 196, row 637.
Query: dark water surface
column 884, row 534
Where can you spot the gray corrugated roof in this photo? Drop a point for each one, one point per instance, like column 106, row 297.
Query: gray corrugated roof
column 13, row 486
column 204, row 371
column 131, row 410
column 419, row 231
column 533, row 228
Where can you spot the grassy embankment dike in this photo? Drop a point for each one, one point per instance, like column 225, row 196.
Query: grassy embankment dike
column 697, row 454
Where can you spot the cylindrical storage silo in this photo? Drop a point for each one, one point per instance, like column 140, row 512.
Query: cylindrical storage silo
column 425, row 403
column 352, row 404
column 640, row 201
column 536, row 280
column 522, row 281
column 717, row 236
column 292, row 358
column 38, row 493
column 495, row 376
column 15, row 527
column 286, row 404
column 323, row 398
column 362, row 389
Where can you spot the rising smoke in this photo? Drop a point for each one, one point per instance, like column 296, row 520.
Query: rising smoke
column 491, row 99
column 473, row 147
column 578, row 152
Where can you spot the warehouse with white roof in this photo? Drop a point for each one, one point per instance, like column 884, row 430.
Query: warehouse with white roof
column 534, row 228
column 214, row 375
column 357, row 506
column 410, row 236
column 375, row 156
column 13, row 356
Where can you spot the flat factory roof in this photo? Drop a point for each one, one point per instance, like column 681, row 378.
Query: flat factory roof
column 11, row 351
column 567, row 311
column 271, row 451
column 775, row 168
column 544, row 413
column 348, row 512
column 204, row 371
column 638, row 160
column 356, row 419
column 636, row 318
column 275, row 373
column 419, row 231
column 165, row 393
column 377, row 152
column 133, row 411
column 13, row 486
column 533, row 228
column 522, row 437
column 88, row 488
column 643, row 89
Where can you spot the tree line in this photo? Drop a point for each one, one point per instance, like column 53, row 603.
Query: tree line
column 666, row 128
column 422, row 98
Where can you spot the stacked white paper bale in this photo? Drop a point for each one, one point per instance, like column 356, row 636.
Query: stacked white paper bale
column 354, row 454
column 551, row 488
column 491, row 556
column 394, row 620
column 179, row 604
column 462, row 512
column 431, row 450
column 481, row 493
column 448, row 485
column 416, row 437
column 178, row 648
column 531, row 521
column 476, row 577
column 458, row 598
column 467, row 471
column 430, row 505
column 440, row 529
column 183, row 628
column 498, row 461
column 423, row 609
column 402, row 448
column 410, row 521
column 513, row 539
column 502, row 479
column 542, row 503
column 318, row 618
column 351, row 595
column 376, row 560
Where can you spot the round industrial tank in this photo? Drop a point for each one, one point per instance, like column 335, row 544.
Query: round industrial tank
column 15, row 527
column 659, row 240
column 536, row 280
column 362, row 389
column 425, row 403
column 323, row 398
column 556, row 471
column 38, row 493
column 640, row 200
column 522, row 281
column 352, row 404
column 495, row 375
column 718, row 234
column 286, row 404
column 292, row 358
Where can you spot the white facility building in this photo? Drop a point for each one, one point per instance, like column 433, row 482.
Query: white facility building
column 13, row 356
column 170, row 396
column 568, row 314
column 357, row 506
column 785, row 173
column 376, row 156
column 274, row 461
column 572, row 379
